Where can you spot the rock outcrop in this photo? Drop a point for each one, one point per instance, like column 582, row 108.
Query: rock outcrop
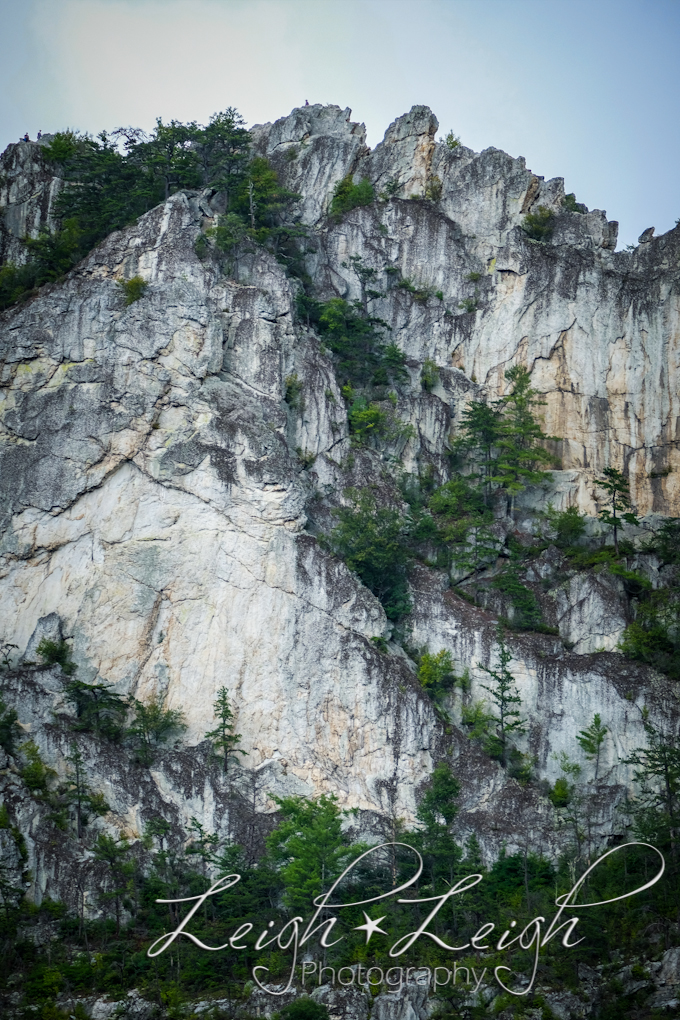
column 157, row 486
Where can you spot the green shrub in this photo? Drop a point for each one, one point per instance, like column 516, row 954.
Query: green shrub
column 293, row 390
column 390, row 190
column 654, row 637
column 569, row 204
column 539, row 225
column 348, row 195
column 569, row 525
column 369, row 420
column 303, row 1008
column 372, row 540
column 469, row 305
column 433, row 188
column 429, row 375
column 35, row 773
column 153, row 725
column 133, row 289
column 527, row 609
column 452, row 141
column 420, row 294
column 560, row 794
column 228, row 233
column 17, row 282
column 436, row 671
column 8, row 727
column 57, row 653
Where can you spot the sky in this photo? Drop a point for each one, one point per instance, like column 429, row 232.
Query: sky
column 588, row 90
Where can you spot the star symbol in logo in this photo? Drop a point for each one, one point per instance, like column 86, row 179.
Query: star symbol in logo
column 371, row 927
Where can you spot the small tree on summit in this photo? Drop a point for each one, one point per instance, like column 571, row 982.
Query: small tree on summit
column 617, row 488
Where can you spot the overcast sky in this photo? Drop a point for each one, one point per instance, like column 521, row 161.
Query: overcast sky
column 587, row 90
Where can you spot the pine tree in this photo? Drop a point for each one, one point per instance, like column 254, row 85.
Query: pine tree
column 481, row 429
column 151, row 726
column 591, row 741
column 309, row 848
column 617, row 487
column 437, row 812
column 657, row 770
column 77, row 793
column 505, row 697
column 223, row 738
column 520, row 453
column 98, row 708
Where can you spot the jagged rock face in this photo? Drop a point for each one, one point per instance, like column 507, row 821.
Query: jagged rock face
column 28, row 189
column 154, row 496
column 599, row 330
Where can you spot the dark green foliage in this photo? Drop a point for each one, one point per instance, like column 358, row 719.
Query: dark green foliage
column 308, row 848
column 223, row 738
column 114, row 852
column 539, row 225
column 109, row 189
column 76, row 796
column 347, row 195
column 419, row 293
column 303, row 1008
column 8, row 728
column 481, row 426
column 436, row 813
column 355, row 338
column 520, row 453
column 57, row 653
column 229, row 232
column 372, row 541
column 453, row 521
column 469, row 305
column 17, row 282
column 591, row 740
column 569, row 525
column 293, row 394
column 368, row 421
column 527, row 614
column 560, row 794
column 506, row 701
column 666, row 543
column 654, row 637
column 133, row 288
column 151, row 726
column 569, row 204
column 657, row 771
column 223, row 151
column 429, row 375
column 617, row 489
column 98, row 709
column 35, row 773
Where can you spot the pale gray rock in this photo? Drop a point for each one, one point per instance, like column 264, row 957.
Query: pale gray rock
column 670, row 967
column 158, row 486
column 590, row 612
column 28, row 190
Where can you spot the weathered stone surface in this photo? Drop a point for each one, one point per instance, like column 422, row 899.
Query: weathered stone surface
column 154, row 498
column 28, row 189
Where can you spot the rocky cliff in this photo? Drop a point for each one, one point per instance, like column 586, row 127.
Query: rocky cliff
column 161, row 500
